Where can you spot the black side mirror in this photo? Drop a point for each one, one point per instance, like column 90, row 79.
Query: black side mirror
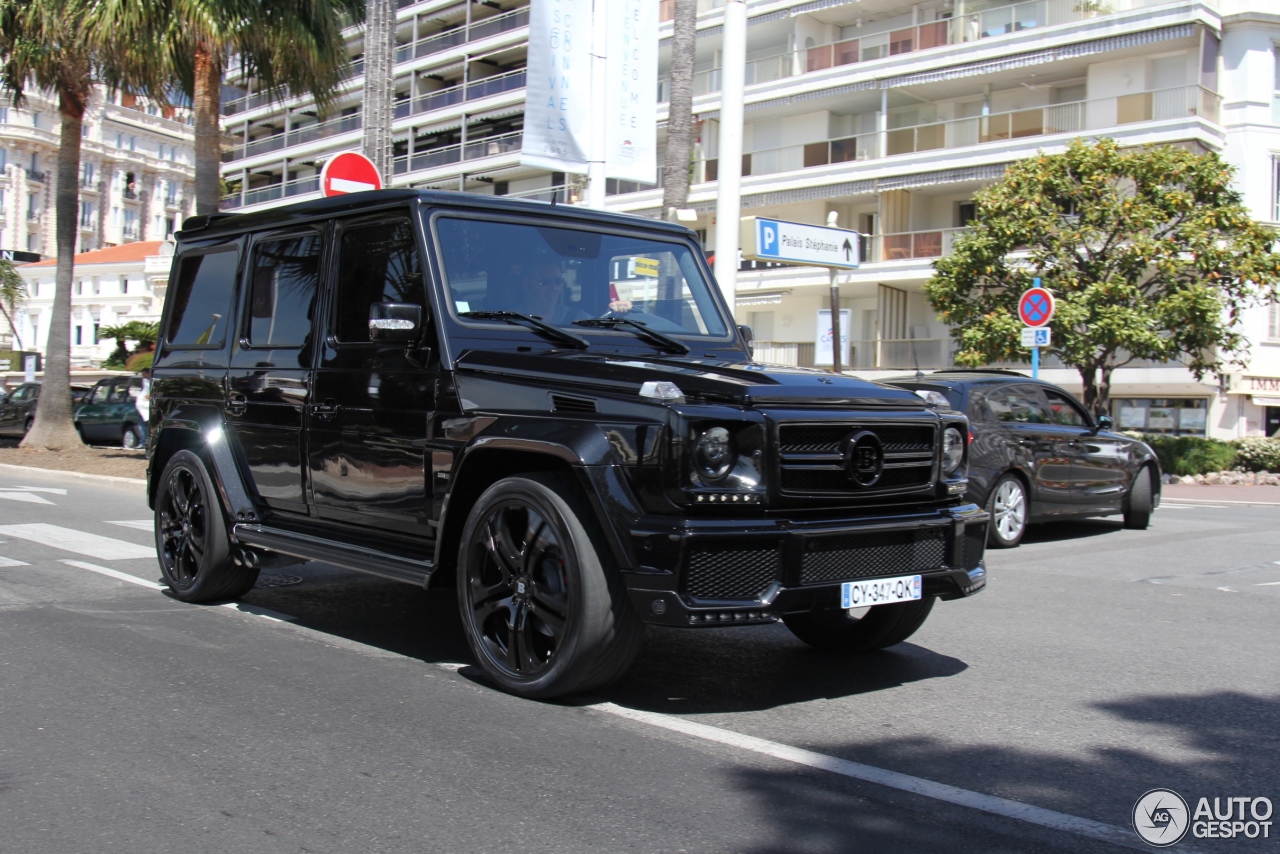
column 749, row 339
column 394, row 322
column 1104, row 423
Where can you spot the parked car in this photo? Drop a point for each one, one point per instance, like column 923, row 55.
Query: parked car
column 109, row 415
column 1037, row 454
column 497, row 396
column 18, row 410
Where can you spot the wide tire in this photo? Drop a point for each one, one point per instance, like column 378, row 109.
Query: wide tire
column 1141, row 503
column 191, row 535
column 878, row 627
column 542, row 613
column 26, row 428
column 132, row 437
column 1010, row 510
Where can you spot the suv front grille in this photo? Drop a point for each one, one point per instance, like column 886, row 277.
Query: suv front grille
column 876, row 553
column 813, row 458
column 716, row 573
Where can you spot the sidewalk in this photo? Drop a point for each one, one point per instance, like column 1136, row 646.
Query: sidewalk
column 1220, row 494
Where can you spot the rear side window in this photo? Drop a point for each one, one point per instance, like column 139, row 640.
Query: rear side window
column 284, row 278
column 1017, row 404
column 378, row 262
column 202, row 299
column 101, row 392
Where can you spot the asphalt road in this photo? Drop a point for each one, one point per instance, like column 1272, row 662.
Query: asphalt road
column 340, row 713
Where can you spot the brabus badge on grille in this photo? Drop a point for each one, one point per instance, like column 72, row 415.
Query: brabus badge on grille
column 864, row 458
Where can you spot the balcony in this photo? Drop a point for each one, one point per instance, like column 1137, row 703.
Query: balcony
column 274, row 96
column 130, row 194
column 486, row 147
column 909, row 245
column 880, row 45
column 33, row 216
column 1071, row 118
column 296, row 136
column 131, row 232
column 37, row 176
column 461, row 93
column 89, row 184
column 479, row 29
column 270, row 193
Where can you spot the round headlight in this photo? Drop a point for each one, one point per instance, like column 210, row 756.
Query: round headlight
column 713, row 453
column 952, row 450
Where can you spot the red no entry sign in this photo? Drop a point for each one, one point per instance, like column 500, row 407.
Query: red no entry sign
column 349, row 172
column 1035, row 307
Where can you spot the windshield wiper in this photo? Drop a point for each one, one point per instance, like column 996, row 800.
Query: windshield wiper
column 666, row 342
column 546, row 329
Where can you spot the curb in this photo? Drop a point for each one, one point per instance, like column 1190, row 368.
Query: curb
column 1191, row 502
column 100, row 477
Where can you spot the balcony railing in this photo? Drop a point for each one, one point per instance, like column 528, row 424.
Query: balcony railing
column 879, row 45
column 470, row 91
column 270, row 193
column 296, row 136
column 262, row 99
column 1074, row 117
column 906, row 354
column 480, row 29
column 911, row 244
column 474, row 150
column 37, row 176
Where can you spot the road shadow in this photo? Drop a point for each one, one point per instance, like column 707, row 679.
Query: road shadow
column 1073, row 529
column 1227, row 745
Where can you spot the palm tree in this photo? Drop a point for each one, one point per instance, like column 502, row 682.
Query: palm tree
column 684, row 48
column 294, row 43
column 50, row 43
column 13, row 293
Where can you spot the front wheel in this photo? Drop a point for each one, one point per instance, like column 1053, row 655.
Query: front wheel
column 541, row 613
column 1009, row 511
column 1138, row 509
column 865, row 630
column 191, row 535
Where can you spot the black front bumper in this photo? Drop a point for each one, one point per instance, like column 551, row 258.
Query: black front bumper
column 702, row 573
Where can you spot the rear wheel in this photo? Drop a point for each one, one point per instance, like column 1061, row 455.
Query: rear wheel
column 1137, row 510
column 26, row 428
column 191, row 535
column 541, row 613
column 1010, row 511
column 132, row 437
column 863, row 630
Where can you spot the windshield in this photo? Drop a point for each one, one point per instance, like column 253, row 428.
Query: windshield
column 562, row 275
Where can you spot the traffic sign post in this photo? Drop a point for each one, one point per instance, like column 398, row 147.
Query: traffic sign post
column 1035, row 310
column 349, row 172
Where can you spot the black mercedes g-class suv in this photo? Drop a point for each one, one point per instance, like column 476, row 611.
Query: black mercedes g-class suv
column 549, row 408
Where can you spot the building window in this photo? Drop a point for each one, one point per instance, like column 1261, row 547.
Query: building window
column 4, row 115
column 1273, row 321
column 79, row 335
column 1275, row 91
column 1162, row 416
column 4, row 155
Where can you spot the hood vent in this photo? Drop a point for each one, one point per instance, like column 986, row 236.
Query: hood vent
column 565, row 403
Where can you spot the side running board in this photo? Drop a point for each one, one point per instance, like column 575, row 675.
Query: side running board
column 383, row 564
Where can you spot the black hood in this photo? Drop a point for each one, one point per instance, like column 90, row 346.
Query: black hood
column 701, row 380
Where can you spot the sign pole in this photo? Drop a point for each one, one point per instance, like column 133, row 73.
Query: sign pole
column 1035, row 351
column 835, row 323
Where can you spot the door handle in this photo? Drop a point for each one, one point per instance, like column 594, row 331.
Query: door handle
column 235, row 405
column 325, row 411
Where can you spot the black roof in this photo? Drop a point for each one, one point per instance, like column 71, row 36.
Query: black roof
column 218, row 223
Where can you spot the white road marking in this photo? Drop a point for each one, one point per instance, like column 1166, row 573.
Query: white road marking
column 1267, row 584
column 243, row 608
column 8, row 561
column 48, row 489
column 115, row 573
column 24, row 496
column 140, row 524
column 1226, row 590
column 71, row 540
column 882, row 777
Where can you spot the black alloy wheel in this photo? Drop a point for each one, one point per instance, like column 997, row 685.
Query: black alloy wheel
column 192, row 543
column 541, row 616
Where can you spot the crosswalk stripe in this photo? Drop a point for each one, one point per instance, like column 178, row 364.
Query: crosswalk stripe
column 81, row 542
column 8, row 561
column 140, row 524
column 114, row 573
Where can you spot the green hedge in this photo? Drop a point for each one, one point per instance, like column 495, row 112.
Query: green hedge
column 1184, row 455
column 1258, row 454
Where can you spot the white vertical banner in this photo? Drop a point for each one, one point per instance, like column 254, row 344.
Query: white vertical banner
column 631, row 108
column 822, row 353
column 557, row 109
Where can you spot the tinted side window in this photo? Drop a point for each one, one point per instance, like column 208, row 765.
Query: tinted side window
column 1063, row 410
column 202, row 299
column 284, row 277
column 1017, row 404
column 23, row 393
column 378, row 262
column 101, row 392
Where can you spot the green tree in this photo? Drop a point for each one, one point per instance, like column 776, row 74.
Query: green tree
column 143, row 333
column 1149, row 253
column 52, row 45
column 13, row 293
column 294, row 43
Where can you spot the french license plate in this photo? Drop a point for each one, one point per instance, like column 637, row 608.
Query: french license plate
column 879, row 591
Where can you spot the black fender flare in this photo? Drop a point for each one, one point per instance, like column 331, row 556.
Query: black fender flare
column 207, row 438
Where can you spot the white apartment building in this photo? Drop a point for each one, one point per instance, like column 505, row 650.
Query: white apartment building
column 890, row 115
column 111, row 287
column 136, row 174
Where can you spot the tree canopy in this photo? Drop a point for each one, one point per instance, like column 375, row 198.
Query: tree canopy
column 1149, row 253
